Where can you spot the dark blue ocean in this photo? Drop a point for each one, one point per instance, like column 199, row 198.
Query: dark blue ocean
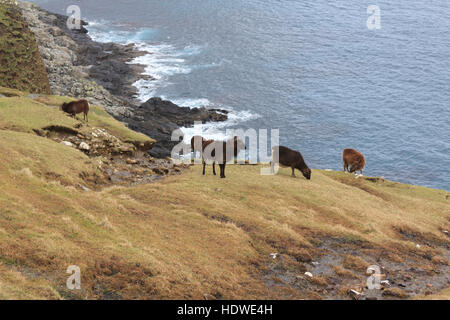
column 311, row 68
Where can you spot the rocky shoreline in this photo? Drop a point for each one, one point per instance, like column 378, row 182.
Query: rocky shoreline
column 79, row 67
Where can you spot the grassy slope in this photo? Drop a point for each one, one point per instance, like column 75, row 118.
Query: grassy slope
column 21, row 66
column 18, row 112
column 187, row 236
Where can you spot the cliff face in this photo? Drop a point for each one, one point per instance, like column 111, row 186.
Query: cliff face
column 21, row 66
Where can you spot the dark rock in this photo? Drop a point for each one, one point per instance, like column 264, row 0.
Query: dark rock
column 109, row 62
column 158, row 118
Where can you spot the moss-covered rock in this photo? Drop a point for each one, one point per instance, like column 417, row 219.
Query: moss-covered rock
column 21, row 66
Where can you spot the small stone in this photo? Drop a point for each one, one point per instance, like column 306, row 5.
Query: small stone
column 417, row 246
column 83, row 187
column 355, row 292
column 126, row 149
column 273, row 255
column 429, row 285
column 132, row 161
column 385, row 282
column 67, row 143
column 308, row 274
column 84, row 146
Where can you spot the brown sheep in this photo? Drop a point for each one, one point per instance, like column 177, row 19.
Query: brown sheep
column 235, row 145
column 198, row 143
column 206, row 143
column 286, row 157
column 75, row 107
column 354, row 159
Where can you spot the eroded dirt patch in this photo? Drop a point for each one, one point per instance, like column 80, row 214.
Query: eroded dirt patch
column 338, row 268
column 119, row 162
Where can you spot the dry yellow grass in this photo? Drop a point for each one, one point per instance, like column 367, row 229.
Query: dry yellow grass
column 190, row 235
column 22, row 113
column 442, row 295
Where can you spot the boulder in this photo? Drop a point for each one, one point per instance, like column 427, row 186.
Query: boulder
column 84, row 146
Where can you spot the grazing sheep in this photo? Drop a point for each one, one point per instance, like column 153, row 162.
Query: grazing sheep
column 290, row 158
column 353, row 159
column 76, row 107
column 197, row 144
column 221, row 157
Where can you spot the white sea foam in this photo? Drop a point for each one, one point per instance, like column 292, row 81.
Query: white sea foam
column 217, row 130
column 191, row 103
column 161, row 62
column 104, row 31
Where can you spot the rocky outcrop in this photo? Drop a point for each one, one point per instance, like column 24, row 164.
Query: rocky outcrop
column 62, row 56
column 159, row 118
column 79, row 67
column 118, row 162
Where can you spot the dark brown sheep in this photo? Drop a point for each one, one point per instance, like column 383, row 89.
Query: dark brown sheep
column 353, row 159
column 206, row 143
column 75, row 107
column 286, row 157
column 216, row 151
column 197, row 144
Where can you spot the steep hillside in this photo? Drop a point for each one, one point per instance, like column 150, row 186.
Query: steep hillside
column 193, row 236
column 21, row 66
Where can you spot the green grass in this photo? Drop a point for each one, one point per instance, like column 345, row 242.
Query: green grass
column 21, row 65
column 24, row 114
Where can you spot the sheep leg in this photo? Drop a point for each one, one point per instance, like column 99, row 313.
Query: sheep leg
column 222, row 170
column 214, row 167
column 293, row 173
column 204, row 166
